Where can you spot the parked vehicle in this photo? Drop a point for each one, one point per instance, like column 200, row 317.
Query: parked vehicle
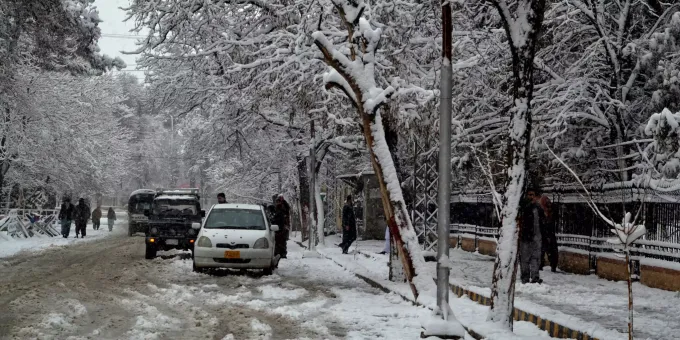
column 236, row 236
column 139, row 201
column 170, row 221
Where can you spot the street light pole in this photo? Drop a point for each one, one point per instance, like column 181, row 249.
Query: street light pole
column 444, row 189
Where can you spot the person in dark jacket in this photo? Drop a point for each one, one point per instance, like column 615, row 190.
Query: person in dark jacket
column 96, row 218
column 549, row 233
column 531, row 240
column 82, row 214
column 66, row 213
column 111, row 217
column 282, row 219
column 349, row 225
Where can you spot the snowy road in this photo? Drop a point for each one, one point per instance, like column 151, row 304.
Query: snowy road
column 106, row 290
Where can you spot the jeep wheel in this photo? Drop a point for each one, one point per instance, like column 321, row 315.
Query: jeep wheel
column 150, row 252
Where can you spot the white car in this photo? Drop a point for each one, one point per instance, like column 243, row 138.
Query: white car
column 235, row 236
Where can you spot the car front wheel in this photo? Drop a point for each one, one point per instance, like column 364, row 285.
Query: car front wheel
column 198, row 269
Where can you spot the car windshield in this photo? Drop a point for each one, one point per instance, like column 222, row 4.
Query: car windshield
column 235, row 219
column 174, row 207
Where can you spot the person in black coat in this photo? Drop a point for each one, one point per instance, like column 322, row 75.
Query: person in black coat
column 66, row 213
column 282, row 219
column 532, row 225
column 349, row 225
column 81, row 215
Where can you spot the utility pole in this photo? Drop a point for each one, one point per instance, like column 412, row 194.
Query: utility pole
column 444, row 189
column 312, row 187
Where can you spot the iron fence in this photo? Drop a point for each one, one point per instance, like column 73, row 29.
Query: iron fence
column 579, row 228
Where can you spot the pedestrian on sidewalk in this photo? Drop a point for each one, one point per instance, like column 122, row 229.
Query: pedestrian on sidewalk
column 282, row 219
column 96, row 217
column 221, row 198
column 349, row 225
column 531, row 241
column 549, row 234
column 66, row 213
column 82, row 214
column 111, row 217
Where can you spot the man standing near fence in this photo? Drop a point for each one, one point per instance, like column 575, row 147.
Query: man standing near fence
column 66, row 217
column 82, row 214
column 531, row 240
column 548, row 233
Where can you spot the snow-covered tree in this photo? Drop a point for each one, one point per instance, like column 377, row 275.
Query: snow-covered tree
column 522, row 21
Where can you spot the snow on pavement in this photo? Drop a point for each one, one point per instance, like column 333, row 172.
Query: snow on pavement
column 41, row 242
column 584, row 302
column 106, row 290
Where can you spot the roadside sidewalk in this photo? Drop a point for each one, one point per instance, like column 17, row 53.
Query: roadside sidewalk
column 472, row 272
column 468, row 312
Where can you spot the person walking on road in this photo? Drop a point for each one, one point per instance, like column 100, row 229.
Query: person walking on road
column 66, row 213
column 82, row 214
column 96, row 217
column 282, row 219
column 531, row 241
column 111, row 217
column 221, row 198
column 549, row 234
column 349, row 225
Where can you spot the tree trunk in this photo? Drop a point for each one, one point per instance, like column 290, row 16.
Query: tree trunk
column 304, row 195
column 522, row 49
column 320, row 213
column 630, row 296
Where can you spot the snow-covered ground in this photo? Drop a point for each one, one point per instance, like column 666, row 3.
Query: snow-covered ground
column 41, row 242
column 586, row 303
column 105, row 289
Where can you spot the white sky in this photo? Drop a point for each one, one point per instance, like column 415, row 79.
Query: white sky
column 112, row 17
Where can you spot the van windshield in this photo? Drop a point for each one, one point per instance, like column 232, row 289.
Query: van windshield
column 235, row 219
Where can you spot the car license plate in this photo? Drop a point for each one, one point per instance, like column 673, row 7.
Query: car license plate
column 232, row 254
column 171, row 242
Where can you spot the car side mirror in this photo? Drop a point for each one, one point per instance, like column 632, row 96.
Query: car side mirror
column 196, row 226
column 202, row 213
column 274, row 228
column 147, row 212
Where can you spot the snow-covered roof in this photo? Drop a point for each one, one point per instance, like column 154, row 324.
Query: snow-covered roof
column 143, row 191
column 176, row 197
column 238, row 206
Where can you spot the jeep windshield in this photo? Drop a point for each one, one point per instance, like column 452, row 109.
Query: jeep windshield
column 140, row 202
column 175, row 207
column 235, row 219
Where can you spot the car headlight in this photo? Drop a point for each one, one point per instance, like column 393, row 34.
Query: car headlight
column 153, row 231
column 191, row 232
column 262, row 243
column 204, row 242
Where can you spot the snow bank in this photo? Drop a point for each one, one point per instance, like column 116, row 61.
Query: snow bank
column 12, row 247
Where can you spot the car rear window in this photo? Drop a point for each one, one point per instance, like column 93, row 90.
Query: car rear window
column 235, row 219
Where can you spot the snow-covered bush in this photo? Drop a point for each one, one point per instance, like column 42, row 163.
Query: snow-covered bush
column 664, row 127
